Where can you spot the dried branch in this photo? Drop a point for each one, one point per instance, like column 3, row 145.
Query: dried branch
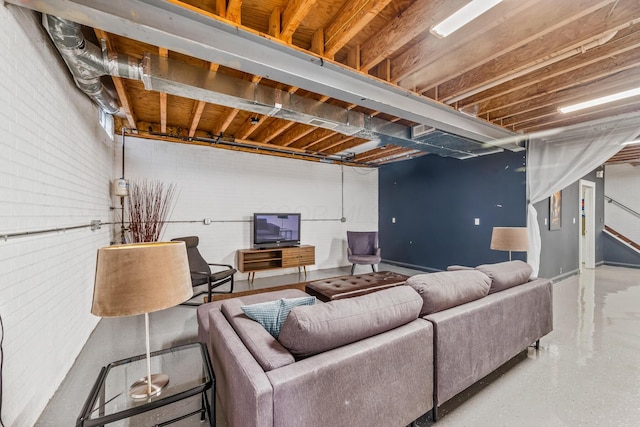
column 149, row 204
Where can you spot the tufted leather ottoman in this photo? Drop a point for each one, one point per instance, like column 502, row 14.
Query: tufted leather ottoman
column 350, row 286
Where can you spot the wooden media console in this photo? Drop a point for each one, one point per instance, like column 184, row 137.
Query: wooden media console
column 252, row 260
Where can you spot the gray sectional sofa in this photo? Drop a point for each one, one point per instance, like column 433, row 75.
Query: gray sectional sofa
column 384, row 358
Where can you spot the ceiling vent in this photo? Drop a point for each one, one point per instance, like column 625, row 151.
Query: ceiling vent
column 323, row 124
column 420, row 130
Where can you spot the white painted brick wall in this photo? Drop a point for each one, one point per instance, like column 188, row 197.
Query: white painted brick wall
column 55, row 167
column 230, row 186
column 622, row 183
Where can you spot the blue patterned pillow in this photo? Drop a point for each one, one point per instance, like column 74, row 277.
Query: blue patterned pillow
column 271, row 315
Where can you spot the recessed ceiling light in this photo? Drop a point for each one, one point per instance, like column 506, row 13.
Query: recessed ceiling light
column 602, row 100
column 462, row 16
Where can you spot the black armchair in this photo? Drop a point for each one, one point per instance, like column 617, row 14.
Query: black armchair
column 201, row 273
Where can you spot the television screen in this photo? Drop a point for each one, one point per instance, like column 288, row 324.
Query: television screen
column 276, row 229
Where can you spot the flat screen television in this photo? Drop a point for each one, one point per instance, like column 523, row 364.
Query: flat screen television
column 272, row 230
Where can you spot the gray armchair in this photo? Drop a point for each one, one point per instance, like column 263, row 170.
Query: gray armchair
column 363, row 249
column 201, row 273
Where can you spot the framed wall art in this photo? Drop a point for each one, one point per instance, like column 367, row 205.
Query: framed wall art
column 555, row 211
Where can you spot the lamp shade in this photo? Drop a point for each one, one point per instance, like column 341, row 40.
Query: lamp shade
column 140, row 278
column 510, row 239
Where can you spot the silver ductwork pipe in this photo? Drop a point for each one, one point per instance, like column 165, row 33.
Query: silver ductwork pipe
column 87, row 62
column 178, row 78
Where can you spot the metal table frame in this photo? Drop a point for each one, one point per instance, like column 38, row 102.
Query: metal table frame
column 98, row 392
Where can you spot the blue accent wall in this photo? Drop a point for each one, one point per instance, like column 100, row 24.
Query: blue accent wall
column 435, row 201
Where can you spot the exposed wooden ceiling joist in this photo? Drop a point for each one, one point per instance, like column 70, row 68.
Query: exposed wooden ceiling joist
column 513, row 66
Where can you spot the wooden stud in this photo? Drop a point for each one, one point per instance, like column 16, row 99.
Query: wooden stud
column 353, row 57
column 119, row 83
column 234, row 8
column 349, row 20
column 274, row 23
column 293, row 15
column 317, row 42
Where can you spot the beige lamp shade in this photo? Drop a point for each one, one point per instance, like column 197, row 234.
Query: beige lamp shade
column 510, row 239
column 140, row 278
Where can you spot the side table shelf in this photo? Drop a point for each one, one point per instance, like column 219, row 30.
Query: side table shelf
column 190, row 374
column 253, row 260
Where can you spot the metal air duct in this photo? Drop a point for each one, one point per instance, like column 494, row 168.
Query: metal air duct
column 87, row 62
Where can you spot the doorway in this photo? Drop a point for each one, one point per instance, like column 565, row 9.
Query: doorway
column 587, row 225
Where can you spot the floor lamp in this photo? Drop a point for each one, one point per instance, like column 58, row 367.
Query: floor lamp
column 510, row 239
column 140, row 278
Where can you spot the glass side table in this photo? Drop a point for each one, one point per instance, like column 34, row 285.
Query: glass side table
column 190, row 374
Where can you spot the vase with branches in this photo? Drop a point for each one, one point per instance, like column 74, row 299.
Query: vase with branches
column 149, row 206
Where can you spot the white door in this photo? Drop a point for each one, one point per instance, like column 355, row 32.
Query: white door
column 587, row 224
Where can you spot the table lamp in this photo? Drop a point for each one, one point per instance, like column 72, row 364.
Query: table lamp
column 510, row 239
column 139, row 278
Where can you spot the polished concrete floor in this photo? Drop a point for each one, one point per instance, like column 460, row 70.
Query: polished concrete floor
column 586, row 372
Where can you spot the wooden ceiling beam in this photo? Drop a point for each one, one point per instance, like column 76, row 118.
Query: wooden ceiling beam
column 571, row 37
column 297, row 132
column 224, row 121
column 292, row 16
column 199, row 107
column 501, row 30
column 561, row 120
column 592, row 58
column 163, row 96
column 379, row 153
column 118, row 82
column 564, row 92
column 315, row 137
column 350, row 19
column 233, row 11
column 274, row 23
column 344, row 144
column 412, row 22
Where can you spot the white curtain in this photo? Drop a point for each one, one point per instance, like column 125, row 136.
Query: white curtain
column 565, row 155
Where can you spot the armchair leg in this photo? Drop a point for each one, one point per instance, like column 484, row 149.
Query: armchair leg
column 353, row 267
column 373, row 267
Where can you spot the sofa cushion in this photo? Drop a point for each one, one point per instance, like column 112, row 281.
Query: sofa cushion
column 271, row 314
column 313, row 329
column 506, row 275
column 447, row 289
column 266, row 350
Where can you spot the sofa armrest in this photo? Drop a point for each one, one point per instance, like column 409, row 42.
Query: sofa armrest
column 348, row 385
column 243, row 389
column 474, row 339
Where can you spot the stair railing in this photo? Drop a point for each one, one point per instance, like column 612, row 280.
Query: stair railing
column 620, row 205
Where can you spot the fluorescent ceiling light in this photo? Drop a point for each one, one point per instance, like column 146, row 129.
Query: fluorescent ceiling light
column 602, row 100
column 637, row 141
column 464, row 15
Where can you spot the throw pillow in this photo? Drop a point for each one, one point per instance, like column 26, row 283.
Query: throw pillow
column 272, row 314
column 507, row 274
column 440, row 291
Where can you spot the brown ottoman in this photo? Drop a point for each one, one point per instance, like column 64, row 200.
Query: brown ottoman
column 350, row 286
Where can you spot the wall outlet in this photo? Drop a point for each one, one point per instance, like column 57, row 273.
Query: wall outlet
column 393, row 220
column 207, row 221
column 476, row 221
column 574, row 220
column 545, row 221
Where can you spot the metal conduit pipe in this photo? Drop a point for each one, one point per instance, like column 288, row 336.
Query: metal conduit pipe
column 87, row 62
